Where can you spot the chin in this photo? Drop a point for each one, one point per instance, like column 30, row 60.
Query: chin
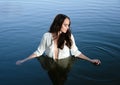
column 64, row 31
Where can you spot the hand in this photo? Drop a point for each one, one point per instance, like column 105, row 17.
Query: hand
column 19, row 62
column 55, row 59
column 96, row 61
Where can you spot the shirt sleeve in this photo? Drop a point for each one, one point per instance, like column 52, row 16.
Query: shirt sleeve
column 74, row 49
column 42, row 46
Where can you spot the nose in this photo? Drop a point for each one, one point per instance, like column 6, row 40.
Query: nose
column 67, row 27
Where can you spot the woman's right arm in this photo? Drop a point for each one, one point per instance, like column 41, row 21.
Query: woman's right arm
column 26, row 59
column 41, row 48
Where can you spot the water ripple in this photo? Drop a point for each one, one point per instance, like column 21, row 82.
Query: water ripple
column 95, row 25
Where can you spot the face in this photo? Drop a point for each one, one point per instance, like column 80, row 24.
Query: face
column 65, row 25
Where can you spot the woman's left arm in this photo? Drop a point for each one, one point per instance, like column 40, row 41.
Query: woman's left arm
column 94, row 61
column 77, row 53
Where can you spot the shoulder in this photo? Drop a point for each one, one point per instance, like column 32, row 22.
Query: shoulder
column 47, row 35
column 72, row 36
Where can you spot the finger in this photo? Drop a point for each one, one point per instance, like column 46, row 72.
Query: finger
column 98, row 63
column 18, row 63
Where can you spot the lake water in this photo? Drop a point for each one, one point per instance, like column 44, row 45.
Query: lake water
column 95, row 26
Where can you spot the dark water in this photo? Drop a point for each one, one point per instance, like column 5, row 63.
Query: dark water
column 95, row 25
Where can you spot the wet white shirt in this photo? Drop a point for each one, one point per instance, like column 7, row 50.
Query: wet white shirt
column 47, row 46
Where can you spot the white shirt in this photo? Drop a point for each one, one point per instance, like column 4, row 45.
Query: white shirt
column 47, row 46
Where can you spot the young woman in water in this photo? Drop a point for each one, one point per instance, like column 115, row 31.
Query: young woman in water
column 59, row 42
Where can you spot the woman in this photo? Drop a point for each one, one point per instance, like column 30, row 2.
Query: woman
column 59, row 43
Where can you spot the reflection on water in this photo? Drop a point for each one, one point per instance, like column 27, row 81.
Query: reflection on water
column 57, row 70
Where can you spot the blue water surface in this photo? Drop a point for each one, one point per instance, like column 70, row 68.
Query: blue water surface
column 95, row 26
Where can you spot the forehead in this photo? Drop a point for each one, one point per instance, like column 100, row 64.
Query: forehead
column 66, row 21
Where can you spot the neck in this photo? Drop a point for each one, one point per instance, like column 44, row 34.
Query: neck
column 56, row 36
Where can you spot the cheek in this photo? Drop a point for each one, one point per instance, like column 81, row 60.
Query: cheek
column 63, row 29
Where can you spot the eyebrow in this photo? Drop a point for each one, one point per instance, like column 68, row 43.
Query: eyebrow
column 66, row 24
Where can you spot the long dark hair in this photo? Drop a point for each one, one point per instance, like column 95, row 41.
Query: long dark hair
column 64, row 38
